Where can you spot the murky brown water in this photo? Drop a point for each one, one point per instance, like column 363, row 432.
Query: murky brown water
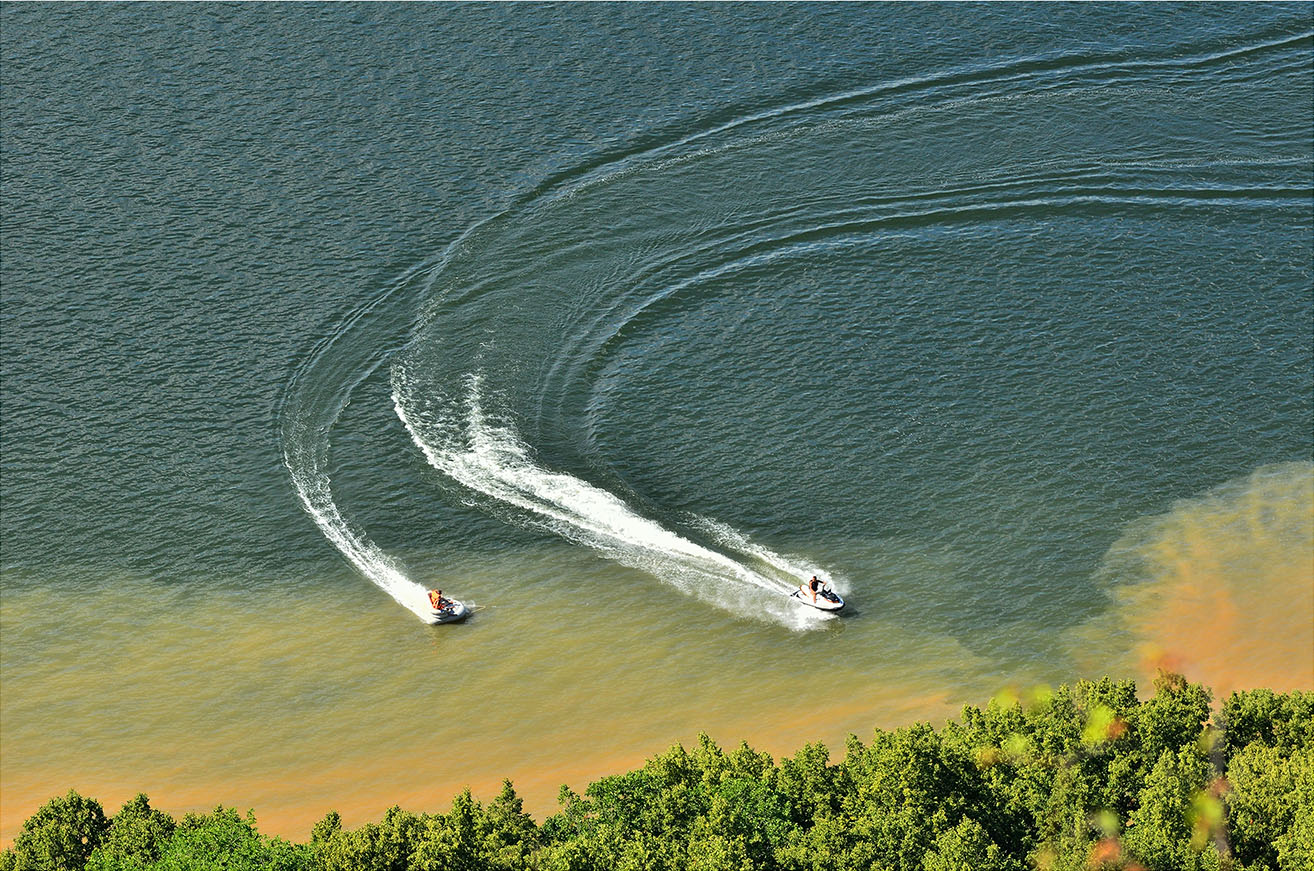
column 293, row 707
column 1220, row 588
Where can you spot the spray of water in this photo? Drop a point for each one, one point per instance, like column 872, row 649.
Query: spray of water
column 790, row 566
column 463, row 442
column 313, row 488
column 318, row 392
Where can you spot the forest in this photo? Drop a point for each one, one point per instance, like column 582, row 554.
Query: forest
column 1088, row 776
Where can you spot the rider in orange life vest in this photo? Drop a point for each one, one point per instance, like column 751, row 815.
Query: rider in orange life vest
column 436, row 600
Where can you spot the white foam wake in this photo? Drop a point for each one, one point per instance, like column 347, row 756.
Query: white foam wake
column 791, row 566
column 304, row 459
column 487, row 457
column 316, row 395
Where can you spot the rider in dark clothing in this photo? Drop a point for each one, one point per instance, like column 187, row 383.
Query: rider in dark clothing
column 815, row 586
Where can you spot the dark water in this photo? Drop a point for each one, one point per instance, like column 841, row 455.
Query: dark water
column 644, row 310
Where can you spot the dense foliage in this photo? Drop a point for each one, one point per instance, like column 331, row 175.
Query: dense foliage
column 1085, row 777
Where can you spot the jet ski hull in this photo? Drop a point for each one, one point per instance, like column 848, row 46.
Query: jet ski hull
column 452, row 613
column 827, row 600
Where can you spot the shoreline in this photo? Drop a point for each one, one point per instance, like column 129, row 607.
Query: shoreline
column 1190, row 776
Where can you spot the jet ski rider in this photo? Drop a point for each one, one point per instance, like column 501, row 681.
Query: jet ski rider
column 815, row 586
column 436, row 600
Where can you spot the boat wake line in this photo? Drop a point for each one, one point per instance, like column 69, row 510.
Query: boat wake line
column 312, row 488
column 315, row 398
column 460, row 440
column 463, row 442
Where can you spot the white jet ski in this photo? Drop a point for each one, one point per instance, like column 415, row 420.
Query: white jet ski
column 827, row 599
column 451, row 611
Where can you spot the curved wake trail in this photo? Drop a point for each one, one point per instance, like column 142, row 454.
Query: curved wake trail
column 491, row 460
column 732, row 539
column 315, row 398
column 304, row 459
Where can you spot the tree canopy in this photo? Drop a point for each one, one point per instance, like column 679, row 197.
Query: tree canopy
column 1084, row 777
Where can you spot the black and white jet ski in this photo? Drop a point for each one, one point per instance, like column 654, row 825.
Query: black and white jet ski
column 827, row 599
column 450, row 611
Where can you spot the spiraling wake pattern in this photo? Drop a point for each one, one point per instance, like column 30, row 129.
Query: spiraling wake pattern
column 443, row 406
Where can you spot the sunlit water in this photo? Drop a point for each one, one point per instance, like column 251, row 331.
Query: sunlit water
column 615, row 325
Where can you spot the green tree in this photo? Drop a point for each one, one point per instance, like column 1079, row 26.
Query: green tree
column 1162, row 831
column 1081, row 778
column 225, row 841
column 715, row 847
column 60, row 836
column 1281, row 720
column 137, row 837
column 1270, row 807
column 451, row 842
column 1173, row 718
column 1295, row 849
column 383, row 846
column 810, row 785
column 509, row 834
column 908, row 786
column 326, row 828
column 967, row 847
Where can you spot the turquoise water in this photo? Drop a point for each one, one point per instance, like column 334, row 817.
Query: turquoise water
column 615, row 321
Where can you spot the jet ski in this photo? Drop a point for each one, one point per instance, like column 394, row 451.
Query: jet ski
column 827, row 599
column 449, row 611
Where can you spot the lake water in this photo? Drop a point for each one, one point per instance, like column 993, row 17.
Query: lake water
column 616, row 322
